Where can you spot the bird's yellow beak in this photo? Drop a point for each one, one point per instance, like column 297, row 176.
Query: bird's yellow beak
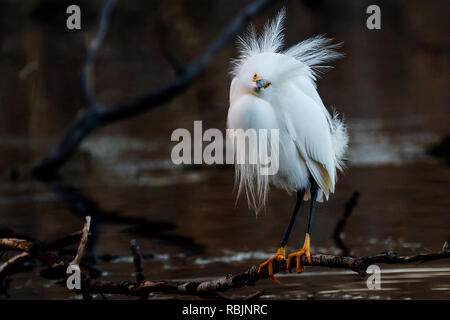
column 260, row 83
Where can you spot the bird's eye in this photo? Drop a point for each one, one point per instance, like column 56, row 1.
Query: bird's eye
column 267, row 85
column 255, row 77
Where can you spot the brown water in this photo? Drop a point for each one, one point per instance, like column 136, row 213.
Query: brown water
column 392, row 87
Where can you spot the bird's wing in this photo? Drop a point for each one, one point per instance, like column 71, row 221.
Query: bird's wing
column 308, row 88
column 308, row 127
column 337, row 128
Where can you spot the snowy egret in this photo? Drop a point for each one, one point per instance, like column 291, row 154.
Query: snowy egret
column 275, row 88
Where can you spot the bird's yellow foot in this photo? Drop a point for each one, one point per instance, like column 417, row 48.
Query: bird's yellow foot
column 279, row 256
column 298, row 255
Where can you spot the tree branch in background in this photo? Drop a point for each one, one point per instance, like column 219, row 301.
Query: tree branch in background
column 97, row 116
column 86, row 73
column 209, row 288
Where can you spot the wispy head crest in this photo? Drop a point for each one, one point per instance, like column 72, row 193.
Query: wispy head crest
column 271, row 40
column 316, row 53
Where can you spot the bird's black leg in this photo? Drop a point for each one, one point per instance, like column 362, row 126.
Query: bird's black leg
column 281, row 253
column 305, row 250
column 313, row 190
column 293, row 216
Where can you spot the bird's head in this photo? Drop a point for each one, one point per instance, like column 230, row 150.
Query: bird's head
column 260, row 83
column 258, row 75
column 263, row 74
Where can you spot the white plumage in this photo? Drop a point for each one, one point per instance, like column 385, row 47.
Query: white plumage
column 312, row 142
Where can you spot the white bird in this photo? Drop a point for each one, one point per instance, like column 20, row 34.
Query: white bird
column 274, row 88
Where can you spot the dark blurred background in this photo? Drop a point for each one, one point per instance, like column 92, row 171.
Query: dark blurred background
column 392, row 86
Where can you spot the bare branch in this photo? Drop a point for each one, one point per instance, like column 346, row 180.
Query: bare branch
column 83, row 241
column 349, row 206
column 14, row 261
column 137, row 258
column 64, row 241
column 250, row 277
column 86, row 75
column 173, row 61
column 48, row 257
column 211, row 288
column 16, row 244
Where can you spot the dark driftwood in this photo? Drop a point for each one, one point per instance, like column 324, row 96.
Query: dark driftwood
column 16, row 244
column 83, row 242
column 137, row 259
column 337, row 235
column 139, row 270
column 97, row 115
column 14, row 261
column 209, row 288
column 64, row 241
column 250, row 277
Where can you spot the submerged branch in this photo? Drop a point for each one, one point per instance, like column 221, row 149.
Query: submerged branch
column 83, row 241
column 14, row 261
column 337, row 235
column 137, row 259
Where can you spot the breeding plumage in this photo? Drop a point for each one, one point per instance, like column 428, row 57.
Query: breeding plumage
column 274, row 88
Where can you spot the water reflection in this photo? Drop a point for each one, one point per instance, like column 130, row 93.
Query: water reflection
column 82, row 206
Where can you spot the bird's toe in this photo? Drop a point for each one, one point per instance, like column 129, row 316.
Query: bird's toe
column 279, row 256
